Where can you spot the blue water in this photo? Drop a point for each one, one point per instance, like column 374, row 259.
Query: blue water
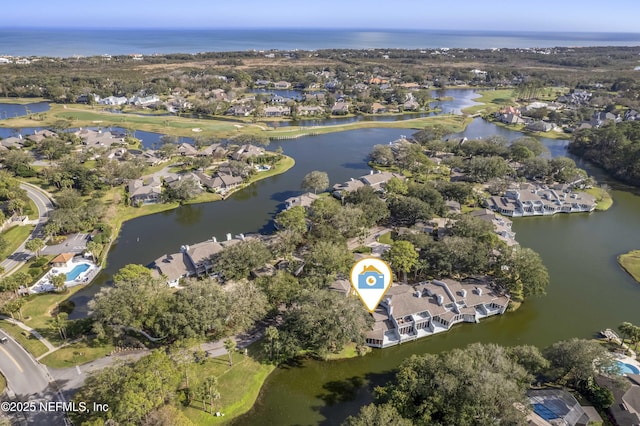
column 89, row 42
column 628, row 368
column 16, row 110
column 544, row 412
column 77, row 270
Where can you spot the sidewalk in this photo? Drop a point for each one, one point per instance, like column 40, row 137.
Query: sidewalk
column 37, row 335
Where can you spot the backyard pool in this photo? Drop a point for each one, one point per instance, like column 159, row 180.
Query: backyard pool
column 77, row 270
column 628, row 368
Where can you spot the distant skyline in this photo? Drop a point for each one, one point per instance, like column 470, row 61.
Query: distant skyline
column 541, row 15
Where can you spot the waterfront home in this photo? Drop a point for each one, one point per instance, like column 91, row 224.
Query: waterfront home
column 187, row 150
column 378, row 108
column 533, row 200
column 558, row 407
column 409, row 312
column 374, row 180
column 12, row 142
column 40, row 135
column 215, row 150
column 411, row 105
column 113, row 100
column 145, row 192
column 304, row 200
column 501, row 225
column 240, row 110
column 277, row 111
column 143, row 100
column 340, row 108
column 626, row 407
column 310, row 110
column 173, row 267
column 540, row 126
column 97, row 139
column 223, row 182
column 282, row 85
column 247, row 151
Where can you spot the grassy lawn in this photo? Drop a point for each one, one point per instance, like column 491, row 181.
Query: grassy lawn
column 37, row 310
column 385, row 238
column 30, row 343
column 349, row 351
column 492, row 100
column 239, row 385
column 76, row 354
column 31, row 210
column 15, row 236
column 3, row 383
column 603, row 198
column 630, row 262
column 22, row 101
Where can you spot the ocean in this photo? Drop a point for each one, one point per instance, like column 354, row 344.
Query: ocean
column 90, row 42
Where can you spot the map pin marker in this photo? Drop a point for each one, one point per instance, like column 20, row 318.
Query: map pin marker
column 371, row 278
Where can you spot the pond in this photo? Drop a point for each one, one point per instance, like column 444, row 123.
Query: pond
column 18, row 110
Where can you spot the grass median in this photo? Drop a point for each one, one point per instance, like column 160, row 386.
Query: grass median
column 24, row 338
column 15, row 236
column 76, row 354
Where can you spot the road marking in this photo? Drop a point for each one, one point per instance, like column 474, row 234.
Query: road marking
column 12, row 359
column 78, row 370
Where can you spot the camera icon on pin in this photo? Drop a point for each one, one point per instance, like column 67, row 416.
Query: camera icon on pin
column 370, row 278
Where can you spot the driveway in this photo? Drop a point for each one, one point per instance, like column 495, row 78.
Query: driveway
column 45, row 206
column 28, row 381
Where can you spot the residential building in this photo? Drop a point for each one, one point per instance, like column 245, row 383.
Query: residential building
column 62, row 260
column 501, row 225
column 145, row 192
column 553, row 407
column 39, row 135
column 340, row 108
column 540, row 126
column 410, row 312
column 533, row 200
column 174, row 267
column 626, row 406
column 304, row 200
column 247, row 151
column 187, row 150
column 277, row 111
column 223, row 182
column 12, row 142
column 113, row 100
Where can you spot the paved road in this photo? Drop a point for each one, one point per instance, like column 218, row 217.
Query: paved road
column 28, row 381
column 45, row 206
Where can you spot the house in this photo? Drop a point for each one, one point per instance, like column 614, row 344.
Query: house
column 174, row 267
column 199, row 255
column 626, row 406
column 144, row 100
column 379, row 179
column 453, row 207
column 539, row 126
column 39, row 135
column 378, row 80
column 62, row 260
column 558, row 407
column 310, row 110
column 247, row 151
column 12, row 142
column 304, row 200
column 411, row 105
column 113, row 100
column 409, row 312
column 340, row 108
column 240, row 110
column 511, row 119
column 277, row 111
column 501, row 225
column 223, row 182
column 187, row 150
column 340, row 190
column 600, row 118
column 215, row 150
column 378, row 108
column 533, row 200
column 145, row 192
column 316, row 96
column 97, row 139
column 282, row 85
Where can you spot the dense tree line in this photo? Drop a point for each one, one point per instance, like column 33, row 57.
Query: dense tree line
column 615, row 147
column 485, row 384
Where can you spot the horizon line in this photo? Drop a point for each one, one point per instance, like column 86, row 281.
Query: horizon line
column 179, row 28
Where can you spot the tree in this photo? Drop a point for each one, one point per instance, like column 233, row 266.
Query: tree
column 208, row 391
column 293, row 219
column 230, row 346
column 4, row 244
column 59, row 323
column 183, row 190
column 18, row 162
column 58, row 281
column 402, row 256
column 94, row 248
column 247, row 304
column 323, row 322
column 575, row 361
column 35, row 245
column 15, row 306
column 522, row 273
column 325, row 260
column 382, row 155
column 237, row 261
column 281, row 288
column 315, row 181
column 477, row 385
column 483, row 169
column 377, row 415
column 273, row 336
column 396, row 186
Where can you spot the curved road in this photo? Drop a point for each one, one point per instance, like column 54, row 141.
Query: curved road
column 29, row 381
column 45, row 206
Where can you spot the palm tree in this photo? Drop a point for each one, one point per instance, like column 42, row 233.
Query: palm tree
column 230, row 346
column 626, row 330
column 59, row 323
column 94, row 248
column 35, row 245
column 272, row 335
column 58, row 281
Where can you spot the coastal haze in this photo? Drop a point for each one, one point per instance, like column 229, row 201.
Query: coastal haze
column 93, row 42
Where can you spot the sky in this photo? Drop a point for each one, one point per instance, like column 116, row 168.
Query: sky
column 533, row 15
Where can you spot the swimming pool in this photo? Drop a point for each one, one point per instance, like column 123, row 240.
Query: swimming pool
column 77, row 270
column 628, row 368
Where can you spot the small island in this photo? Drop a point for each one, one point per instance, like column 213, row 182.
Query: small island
column 630, row 262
